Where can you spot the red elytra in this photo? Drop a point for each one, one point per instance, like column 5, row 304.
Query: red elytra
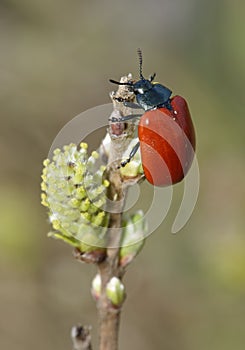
column 167, row 143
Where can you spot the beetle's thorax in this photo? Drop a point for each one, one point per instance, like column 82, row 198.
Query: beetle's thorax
column 151, row 95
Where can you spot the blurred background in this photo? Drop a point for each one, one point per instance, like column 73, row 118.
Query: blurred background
column 185, row 291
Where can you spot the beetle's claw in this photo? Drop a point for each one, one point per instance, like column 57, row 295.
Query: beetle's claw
column 115, row 120
column 125, row 162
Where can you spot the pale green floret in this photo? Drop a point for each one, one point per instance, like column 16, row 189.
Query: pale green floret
column 96, row 192
column 68, row 171
column 83, row 146
column 74, row 203
column 81, row 193
column 85, row 205
column 56, row 152
column 92, row 210
column 70, row 215
column 44, row 174
column 86, row 217
column 44, row 186
column 99, row 218
column 91, row 164
column 69, row 148
column 46, row 162
column 102, row 168
column 73, row 228
column 106, row 183
column 51, row 181
column 56, row 224
column 90, row 180
column 95, row 155
column 61, row 186
column 44, row 200
column 78, row 178
column 100, row 202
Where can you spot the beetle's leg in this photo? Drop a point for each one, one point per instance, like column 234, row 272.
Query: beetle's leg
column 132, row 105
column 125, row 118
column 131, row 155
column 167, row 105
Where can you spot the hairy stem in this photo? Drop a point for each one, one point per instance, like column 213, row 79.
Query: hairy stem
column 109, row 316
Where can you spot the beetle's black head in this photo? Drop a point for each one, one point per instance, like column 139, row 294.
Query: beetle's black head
column 142, row 86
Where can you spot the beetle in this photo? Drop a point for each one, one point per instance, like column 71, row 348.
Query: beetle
column 165, row 130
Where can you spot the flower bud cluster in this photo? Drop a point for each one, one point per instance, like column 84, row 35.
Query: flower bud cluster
column 74, row 191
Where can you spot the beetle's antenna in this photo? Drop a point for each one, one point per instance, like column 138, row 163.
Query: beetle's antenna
column 118, row 83
column 140, row 61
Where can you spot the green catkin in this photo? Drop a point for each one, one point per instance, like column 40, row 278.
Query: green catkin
column 74, row 191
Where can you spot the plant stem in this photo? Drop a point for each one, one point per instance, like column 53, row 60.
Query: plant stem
column 109, row 328
column 109, row 316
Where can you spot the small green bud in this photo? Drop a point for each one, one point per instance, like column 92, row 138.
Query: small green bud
column 133, row 238
column 96, row 287
column 115, row 291
column 131, row 169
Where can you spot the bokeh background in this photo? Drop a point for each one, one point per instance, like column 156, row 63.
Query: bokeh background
column 185, row 291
